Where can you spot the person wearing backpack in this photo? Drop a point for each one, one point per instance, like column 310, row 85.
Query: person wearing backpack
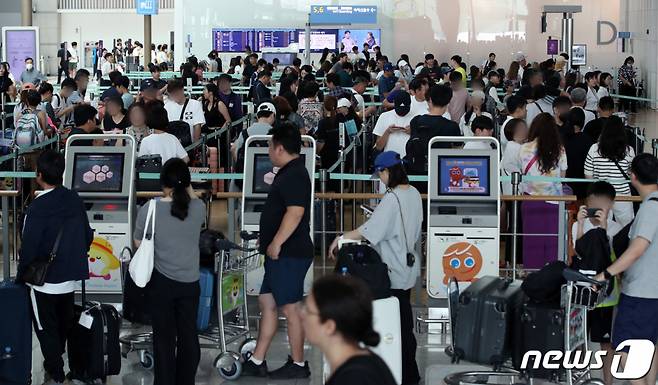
column 266, row 114
column 425, row 127
column 638, row 303
column 30, row 126
column 393, row 231
column 181, row 108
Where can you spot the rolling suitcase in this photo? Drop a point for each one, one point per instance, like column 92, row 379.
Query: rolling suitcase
column 94, row 350
column 15, row 332
column 213, row 164
column 541, row 328
column 207, row 283
column 386, row 322
column 485, row 313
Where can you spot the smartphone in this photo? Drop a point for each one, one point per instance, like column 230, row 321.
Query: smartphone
column 367, row 209
column 591, row 212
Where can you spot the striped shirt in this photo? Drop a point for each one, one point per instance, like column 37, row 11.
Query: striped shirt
column 599, row 167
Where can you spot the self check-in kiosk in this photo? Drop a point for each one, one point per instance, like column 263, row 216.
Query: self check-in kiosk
column 103, row 176
column 463, row 211
column 258, row 176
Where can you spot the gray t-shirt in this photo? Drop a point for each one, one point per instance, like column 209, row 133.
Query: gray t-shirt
column 640, row 279
column 385, row 232
column 257, row 128
column 176, row 241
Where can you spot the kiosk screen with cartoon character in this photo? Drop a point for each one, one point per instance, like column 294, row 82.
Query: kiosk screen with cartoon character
column 98, row 173
column 264, row 173
column 464, row 175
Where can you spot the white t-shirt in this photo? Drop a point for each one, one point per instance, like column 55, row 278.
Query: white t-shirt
column 477, row 145
column 106, row 68
column 602, row 92
column 423, row 108
column 589, row 115
column 74, row 55
column 360, row 101
column 510, row 164
column 465, row 127
column 592, row 99
column 164, row 144
column 612, row 230
column 193, row 113
column 397, row 140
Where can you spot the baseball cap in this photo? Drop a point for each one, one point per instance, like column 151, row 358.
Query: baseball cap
column 266, row 107
column 343, row 102
column 519, row 56
column 402, row 103
column 146, row 84
column 388, row 67
column 385, row 160
column 402, row 63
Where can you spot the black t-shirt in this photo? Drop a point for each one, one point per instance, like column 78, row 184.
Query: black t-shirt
column 83, row 142
column 109, row 124
column 291, row 187
column 593, row 129
column 152, row 83
column 327, row 133
column 576, row 147
column 362, row 370
column 433, row 72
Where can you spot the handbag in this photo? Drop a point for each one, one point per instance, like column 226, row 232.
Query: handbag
column 141, row 266
column 35, row 272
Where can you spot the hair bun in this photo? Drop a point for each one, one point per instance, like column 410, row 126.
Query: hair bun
column 371, row 338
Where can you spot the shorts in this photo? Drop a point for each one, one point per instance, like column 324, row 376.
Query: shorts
column 73, row 66
column 599, row 324
column 284, row 279
column 635, row 319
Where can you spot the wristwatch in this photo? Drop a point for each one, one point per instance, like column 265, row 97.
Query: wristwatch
column 606, row 274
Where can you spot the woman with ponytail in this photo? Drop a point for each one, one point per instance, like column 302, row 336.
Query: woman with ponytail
column 173, row 292
column 337, row 318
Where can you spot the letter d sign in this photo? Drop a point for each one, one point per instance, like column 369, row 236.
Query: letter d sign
column 638, row 361
column 598, row 32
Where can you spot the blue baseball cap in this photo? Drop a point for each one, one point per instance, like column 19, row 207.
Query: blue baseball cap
column 385, row 160
column 388, row 67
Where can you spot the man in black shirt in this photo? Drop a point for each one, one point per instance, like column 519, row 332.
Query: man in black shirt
column 285, row 240
column 84, row 117
column 260, row 91
column 606, row 109
column 431, row 70
column 63, row 55
column 249, row 69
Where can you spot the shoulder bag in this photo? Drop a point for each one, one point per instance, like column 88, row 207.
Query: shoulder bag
column 411, row 258
column 634, row 192
column 35, row 272
column 141, row 266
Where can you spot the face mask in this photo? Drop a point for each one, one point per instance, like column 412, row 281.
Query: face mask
column 29, row 67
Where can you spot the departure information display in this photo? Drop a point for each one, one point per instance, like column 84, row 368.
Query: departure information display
column 232, row 40
column 274, row 39
column 320, row 39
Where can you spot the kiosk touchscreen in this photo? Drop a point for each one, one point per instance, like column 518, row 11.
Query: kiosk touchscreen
column 103, row 177
column 463, row 220
column 259, row 174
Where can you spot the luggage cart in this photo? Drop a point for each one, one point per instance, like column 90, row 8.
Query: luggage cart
column 232, row 262
column 578, row 296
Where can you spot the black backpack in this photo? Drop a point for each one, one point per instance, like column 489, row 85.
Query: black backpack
column 417, row 150
column 239, row 163
column 363, row 262
column 180, row 128
column 545, row 285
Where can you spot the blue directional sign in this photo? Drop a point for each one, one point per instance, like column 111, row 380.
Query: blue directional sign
column 343, row 14
column 147, row 7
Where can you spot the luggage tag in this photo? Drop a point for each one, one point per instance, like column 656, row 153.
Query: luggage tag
column 86, row 320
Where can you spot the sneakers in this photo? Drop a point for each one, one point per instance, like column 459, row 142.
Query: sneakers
column 250, row 369
column 291, row 370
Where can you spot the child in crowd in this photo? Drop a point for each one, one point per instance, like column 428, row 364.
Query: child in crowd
column 595, row 214
column 516, row 133
column 482, row 126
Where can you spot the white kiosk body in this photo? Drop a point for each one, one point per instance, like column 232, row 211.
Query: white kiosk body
column 258, row 176
column 463, row 212
column 103, row 176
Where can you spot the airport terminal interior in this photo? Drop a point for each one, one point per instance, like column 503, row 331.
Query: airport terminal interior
column 346, row 191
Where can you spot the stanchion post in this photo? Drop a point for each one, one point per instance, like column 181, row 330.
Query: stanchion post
column 15, row 209
column 323, row 229
column 516, row 182
column 3, row 114
column 654, row 146
column 204, row 155
column 342, row 190
column 354, row 155
column 5, row 237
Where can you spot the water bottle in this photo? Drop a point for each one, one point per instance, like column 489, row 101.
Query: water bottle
column 343, row 271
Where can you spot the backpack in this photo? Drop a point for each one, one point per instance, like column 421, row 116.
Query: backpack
column 239, row 163
column 180, row 128
column 28, row 130
column 363, row 262
column 417, row 150
column 545, row 285
column 621, row 240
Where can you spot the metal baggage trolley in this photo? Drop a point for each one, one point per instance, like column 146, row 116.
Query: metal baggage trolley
column 232, row 262
column 579, row 295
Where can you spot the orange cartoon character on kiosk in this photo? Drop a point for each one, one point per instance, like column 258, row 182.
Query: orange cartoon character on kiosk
column 456, row 177
column 102, row 260
column 463, row 261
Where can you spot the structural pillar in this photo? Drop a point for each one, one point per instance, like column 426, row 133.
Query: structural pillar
column 147, row 41
column 307, row 42
column 567, row 36
column 26, row 13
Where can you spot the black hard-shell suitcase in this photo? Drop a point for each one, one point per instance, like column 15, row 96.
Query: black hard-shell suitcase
column 95, row 353
column 541, row 328
column 15, row 334
column 485, row 314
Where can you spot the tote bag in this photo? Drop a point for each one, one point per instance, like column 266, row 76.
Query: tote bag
column 141, row 266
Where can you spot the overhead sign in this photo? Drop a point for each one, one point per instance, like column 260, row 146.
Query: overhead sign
column 343, row 14
column 147, row 7
column 19, row 43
